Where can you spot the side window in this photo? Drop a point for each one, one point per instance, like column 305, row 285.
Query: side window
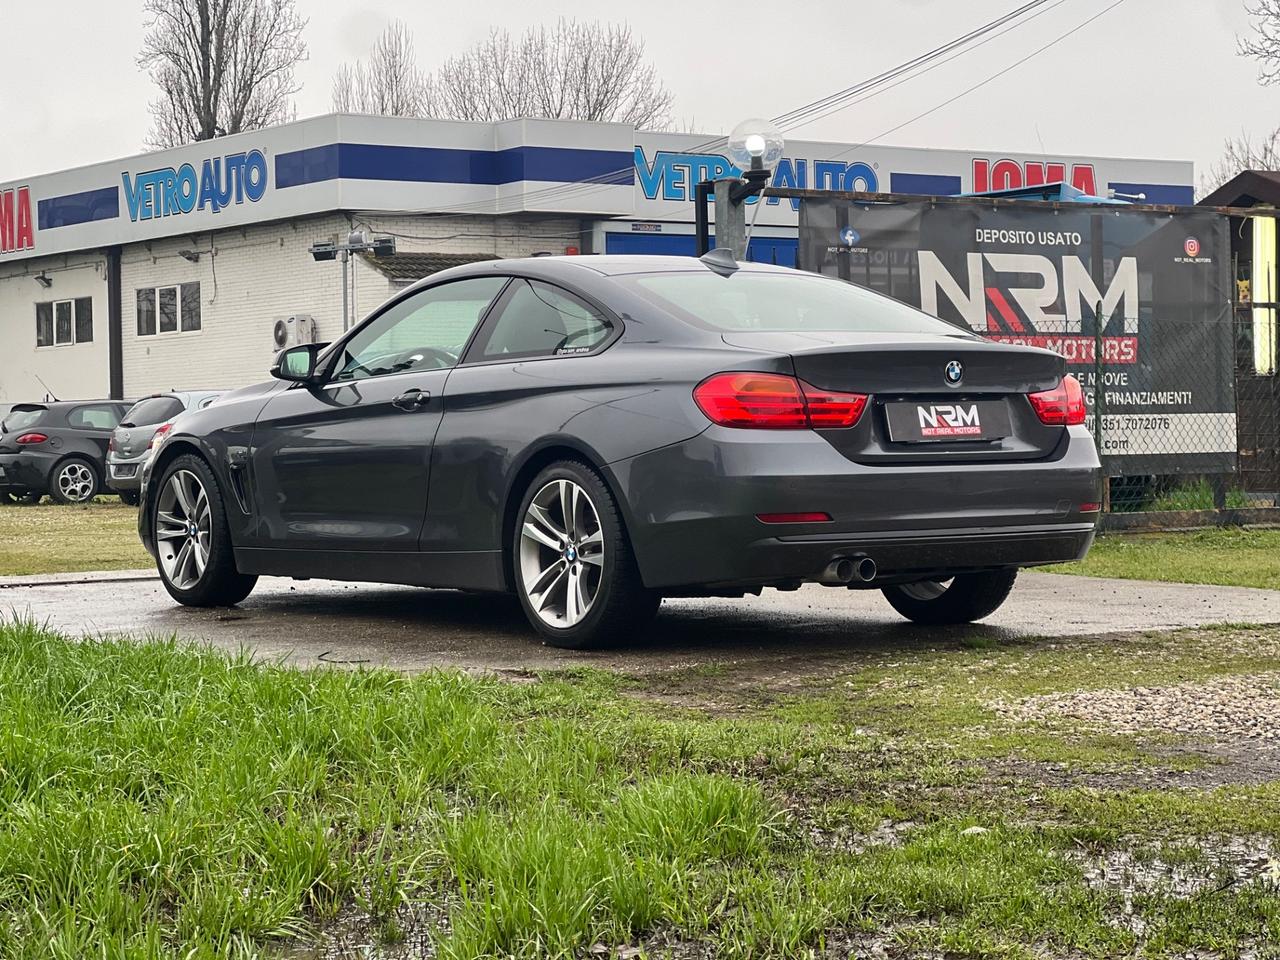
column 539, row 320
column 94, row 417
column 427, row 331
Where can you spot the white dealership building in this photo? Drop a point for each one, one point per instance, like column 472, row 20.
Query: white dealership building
column 172, row 269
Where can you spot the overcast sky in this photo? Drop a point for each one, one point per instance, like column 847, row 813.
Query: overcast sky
column 1152, row 78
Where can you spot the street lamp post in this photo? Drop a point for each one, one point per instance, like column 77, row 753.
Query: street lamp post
column 357, row 242
column 755, row 147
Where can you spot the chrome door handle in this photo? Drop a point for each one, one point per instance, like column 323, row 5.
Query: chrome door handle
column 412, row 399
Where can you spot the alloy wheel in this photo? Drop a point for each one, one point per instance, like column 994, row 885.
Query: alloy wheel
column 76, row 482
column 925, row 589
column 561, row 553
column 183, row 529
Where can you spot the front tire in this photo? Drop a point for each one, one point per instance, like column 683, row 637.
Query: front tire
column 129, row 497
column 963, row 599
column 575, row 572
column 193, row 541
column 74, row 480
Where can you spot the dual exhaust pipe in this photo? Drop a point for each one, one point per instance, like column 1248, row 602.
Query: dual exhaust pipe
column 845, row 570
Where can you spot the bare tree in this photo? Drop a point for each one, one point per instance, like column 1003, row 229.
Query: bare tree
column 222, row 66
column 389, row 83
column 1242, row 153
column 1265, row 46
column 579, row 71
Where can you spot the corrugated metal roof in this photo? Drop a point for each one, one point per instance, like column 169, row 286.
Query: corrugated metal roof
column 409, row 267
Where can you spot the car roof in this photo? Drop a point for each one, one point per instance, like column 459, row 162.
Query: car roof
column 186, row 396
column 567, row 267
column 63, row 404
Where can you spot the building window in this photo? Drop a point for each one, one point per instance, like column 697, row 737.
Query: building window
column 170, row 309
column 60, row 323
column 84, row 320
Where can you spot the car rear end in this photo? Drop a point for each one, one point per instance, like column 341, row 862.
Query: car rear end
column 26, row 452
column 132, row 440
column 895, row 450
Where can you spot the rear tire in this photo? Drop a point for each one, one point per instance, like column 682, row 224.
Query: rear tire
column 967, row 597
column 574, row 569
column 74, row 480
column 193, row 541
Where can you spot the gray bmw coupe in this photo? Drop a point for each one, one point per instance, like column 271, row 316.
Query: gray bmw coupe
column 597, row 433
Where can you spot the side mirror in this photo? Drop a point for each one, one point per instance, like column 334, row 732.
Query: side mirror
column 297, row 364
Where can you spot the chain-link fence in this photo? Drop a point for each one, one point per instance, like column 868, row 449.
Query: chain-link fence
column 1207, row 439
column 1249, row 475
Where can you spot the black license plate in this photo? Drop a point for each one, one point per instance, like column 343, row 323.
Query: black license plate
column 928, row 422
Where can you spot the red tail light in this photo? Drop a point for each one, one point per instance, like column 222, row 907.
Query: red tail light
column 162, row 431
column 29, row 438
column 1061, row 406
column 772, row 401
column 111, row 445
column 827, row 409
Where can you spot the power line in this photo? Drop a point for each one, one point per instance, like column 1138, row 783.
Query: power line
column 801, row 114
column 982, row 83
column 929, row 69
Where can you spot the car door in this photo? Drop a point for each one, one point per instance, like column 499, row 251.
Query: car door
column 343, row 464
column 526, row 375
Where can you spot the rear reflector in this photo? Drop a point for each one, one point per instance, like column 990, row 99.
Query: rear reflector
column 1061, row 406
column 794, row 517
column 773, row 401
column 1090, row 508
column 29, row 438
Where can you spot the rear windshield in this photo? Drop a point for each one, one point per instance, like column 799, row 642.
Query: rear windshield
column 22, row 419
column 777, row 302
column 152, row 410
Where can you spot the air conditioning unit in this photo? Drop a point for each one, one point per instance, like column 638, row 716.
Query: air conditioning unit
column 291, row 331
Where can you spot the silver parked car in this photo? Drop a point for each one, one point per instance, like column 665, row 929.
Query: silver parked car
column 131, row 440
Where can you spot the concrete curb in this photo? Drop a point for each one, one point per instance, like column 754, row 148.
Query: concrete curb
column 87, row 576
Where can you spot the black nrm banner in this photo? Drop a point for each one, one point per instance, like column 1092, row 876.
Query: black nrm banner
column 1159, row 282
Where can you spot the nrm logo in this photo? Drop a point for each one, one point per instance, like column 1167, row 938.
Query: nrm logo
column 171, row 191
column 947, row 415
column 674, row 176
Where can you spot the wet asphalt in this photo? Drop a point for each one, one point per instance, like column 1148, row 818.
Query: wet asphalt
column 804, row 632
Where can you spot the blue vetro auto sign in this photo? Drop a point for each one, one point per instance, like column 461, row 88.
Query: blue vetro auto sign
column 673, row 176
column 220, row 182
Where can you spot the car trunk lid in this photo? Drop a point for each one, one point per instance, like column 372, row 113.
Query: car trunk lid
column 932, row 398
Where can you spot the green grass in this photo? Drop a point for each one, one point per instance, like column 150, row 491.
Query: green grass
column 56, row 538
column 1228, row 557
column 1197, row 496
column 165, row 801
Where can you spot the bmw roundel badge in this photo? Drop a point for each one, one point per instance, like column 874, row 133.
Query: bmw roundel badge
column 954, row 372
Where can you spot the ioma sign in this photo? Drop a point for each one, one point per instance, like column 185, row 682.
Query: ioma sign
column 173, row 191
column 17, row 229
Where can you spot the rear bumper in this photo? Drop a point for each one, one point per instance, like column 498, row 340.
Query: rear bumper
column 692, row 510
column 124, row 475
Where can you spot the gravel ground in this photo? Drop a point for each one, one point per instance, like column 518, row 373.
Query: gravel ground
column 1224, row 708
